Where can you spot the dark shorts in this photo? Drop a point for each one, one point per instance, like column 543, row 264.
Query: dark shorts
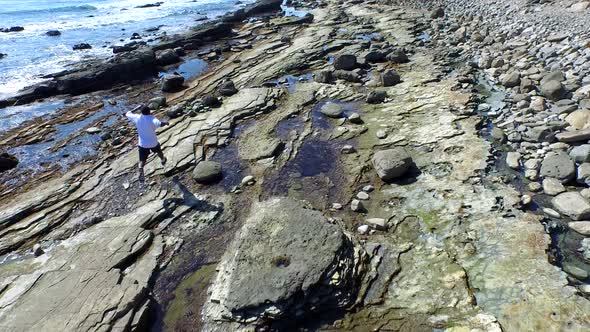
column 144, row 153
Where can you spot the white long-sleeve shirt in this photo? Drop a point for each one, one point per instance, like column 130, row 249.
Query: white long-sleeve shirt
column 146, row 129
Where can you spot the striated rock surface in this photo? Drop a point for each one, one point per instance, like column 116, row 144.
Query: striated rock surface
column 94, row 281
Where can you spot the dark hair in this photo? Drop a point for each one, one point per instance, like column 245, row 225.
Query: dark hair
column 145, row 110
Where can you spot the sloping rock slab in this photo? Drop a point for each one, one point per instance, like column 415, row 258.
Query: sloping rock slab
column 94, row 281
column 286, row 262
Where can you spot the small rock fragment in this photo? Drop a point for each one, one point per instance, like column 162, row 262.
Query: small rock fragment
column 357, row 206
column 362, row 196
column 363, row 229
column 377, row 223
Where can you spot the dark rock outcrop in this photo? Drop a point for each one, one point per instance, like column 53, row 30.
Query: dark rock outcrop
column 376, row 97
column 167, row 57
column 257, row 8
column 7, row 162
column 345, row 62
column 12, row 29
column 81, row 46
column 227, row 88
column 172, row 83
column 210, row 101
column 91, row 76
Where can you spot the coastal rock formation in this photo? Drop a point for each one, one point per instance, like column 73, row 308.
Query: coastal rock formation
column 287, row 262
column 305, row 230
column 96, row 280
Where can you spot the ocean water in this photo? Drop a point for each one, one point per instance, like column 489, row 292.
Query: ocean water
column 101, row 23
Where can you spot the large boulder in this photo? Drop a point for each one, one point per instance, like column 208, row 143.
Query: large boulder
column 573, row 205
column 510, row 80
column 580, row 6
column 391, row 164
column 172, row 83
column 552, row 89
column 558, row 165
column 167, row 57
column 582, row 227
column 287, row 262
column 156, row 102
column 397, row 56
column 345, row 62
column 580, row 153
column 374, row 56
column 210, row 101
column 227, row 88
column 579, row 119
column 376, row 97
column 207, row 172
column 390, row 78
column 574, row 136
column 7, row 162
column 437, row 13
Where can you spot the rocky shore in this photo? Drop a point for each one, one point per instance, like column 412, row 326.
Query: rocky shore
column 372, row 165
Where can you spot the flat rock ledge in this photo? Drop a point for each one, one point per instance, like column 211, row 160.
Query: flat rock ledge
column 97, row 280
column 286, row 263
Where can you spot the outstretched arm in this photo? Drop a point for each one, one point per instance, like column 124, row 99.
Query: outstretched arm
column 132, row 111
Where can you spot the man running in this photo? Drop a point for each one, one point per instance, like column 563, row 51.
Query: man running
column 146, row 125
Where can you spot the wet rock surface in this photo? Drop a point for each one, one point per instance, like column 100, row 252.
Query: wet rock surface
column 483, row 228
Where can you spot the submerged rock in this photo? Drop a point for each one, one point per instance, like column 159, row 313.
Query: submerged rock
column 81, row 46
column 12, row 29
column 391, row 164
column 331, row 110
column 286, row 262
